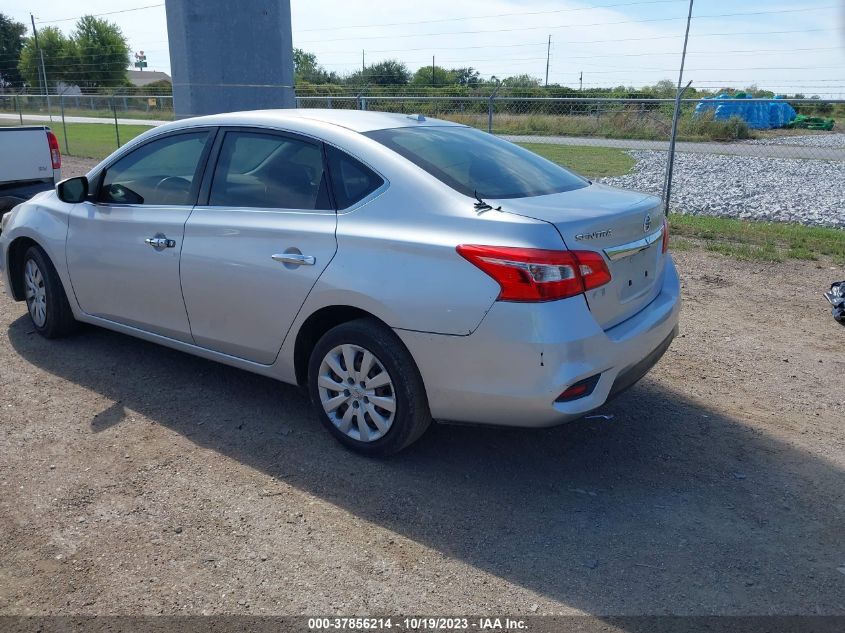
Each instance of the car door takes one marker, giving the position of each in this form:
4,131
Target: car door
255,246
123,245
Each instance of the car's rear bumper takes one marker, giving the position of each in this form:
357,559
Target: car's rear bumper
511,370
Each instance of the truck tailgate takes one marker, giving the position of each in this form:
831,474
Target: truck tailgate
24,154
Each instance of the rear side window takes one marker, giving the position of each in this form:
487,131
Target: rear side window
477,163
351,180
269,171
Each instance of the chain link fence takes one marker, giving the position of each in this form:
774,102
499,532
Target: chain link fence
722,166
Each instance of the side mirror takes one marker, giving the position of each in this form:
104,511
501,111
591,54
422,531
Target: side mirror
73,190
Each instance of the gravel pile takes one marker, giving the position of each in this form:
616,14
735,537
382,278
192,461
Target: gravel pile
827,141
810,192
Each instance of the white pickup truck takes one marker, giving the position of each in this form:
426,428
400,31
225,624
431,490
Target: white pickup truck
30,162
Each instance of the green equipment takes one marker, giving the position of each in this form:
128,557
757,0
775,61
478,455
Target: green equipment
811,123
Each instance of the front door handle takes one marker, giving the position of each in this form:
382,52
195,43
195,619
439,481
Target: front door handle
160,242
294,258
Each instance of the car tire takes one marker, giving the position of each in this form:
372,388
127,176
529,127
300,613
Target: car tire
46,301
356,406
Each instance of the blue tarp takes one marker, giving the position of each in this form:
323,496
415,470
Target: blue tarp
759,114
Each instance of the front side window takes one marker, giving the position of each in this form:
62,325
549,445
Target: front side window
160,172
269,171
476,163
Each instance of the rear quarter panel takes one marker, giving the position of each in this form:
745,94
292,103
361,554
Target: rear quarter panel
396,258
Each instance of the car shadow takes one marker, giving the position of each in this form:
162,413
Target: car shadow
667,507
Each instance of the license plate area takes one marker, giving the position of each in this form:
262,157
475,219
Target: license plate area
637,273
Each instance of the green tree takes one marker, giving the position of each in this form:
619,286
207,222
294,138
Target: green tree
303,61
11,43
101,53
58,58
663,89
441,77
521,81
466,76
390,72
306,69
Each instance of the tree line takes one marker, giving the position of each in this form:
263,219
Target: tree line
94,55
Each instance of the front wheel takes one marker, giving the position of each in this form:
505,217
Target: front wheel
46,301
367,389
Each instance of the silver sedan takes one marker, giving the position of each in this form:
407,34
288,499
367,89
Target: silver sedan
403,269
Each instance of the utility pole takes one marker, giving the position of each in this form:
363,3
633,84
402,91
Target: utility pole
432,71
363,67
667,185
548,54
581,81
43,69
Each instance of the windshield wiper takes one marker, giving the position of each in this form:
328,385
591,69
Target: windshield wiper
482,206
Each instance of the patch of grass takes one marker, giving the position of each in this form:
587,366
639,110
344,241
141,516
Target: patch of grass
91,140
765,241
677,244
622,124
95,140
706,127
765,253
99,112
592,162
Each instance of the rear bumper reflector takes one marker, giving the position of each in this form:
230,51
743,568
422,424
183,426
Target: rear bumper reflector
580,389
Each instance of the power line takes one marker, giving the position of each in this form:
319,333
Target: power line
614,56
730,33
494,15
98,15
573,26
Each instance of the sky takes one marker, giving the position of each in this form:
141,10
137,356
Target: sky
796,46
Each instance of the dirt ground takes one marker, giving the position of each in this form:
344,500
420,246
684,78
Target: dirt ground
140,480
73,166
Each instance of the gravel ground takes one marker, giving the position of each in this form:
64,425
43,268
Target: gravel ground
781,189
827,141
139,480
73,166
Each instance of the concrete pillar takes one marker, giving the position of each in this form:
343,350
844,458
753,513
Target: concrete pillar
227,56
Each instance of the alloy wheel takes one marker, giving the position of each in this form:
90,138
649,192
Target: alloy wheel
36,293
356,392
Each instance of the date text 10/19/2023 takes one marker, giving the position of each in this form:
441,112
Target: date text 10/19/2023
417,624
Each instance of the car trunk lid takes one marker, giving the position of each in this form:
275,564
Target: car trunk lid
624,226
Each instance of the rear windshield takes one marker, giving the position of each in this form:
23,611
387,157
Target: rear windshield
476,163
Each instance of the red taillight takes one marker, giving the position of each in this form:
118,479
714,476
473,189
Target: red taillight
55,154
665,234
533,274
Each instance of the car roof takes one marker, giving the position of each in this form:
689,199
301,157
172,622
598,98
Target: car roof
355,120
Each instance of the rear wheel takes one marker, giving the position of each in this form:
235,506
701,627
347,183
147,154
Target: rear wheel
367,389
46,301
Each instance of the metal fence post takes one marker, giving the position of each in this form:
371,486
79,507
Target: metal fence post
116,127
667,185
360,99
490,108
18,108
64,126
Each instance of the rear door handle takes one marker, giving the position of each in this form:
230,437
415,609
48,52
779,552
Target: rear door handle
294,258
160,242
